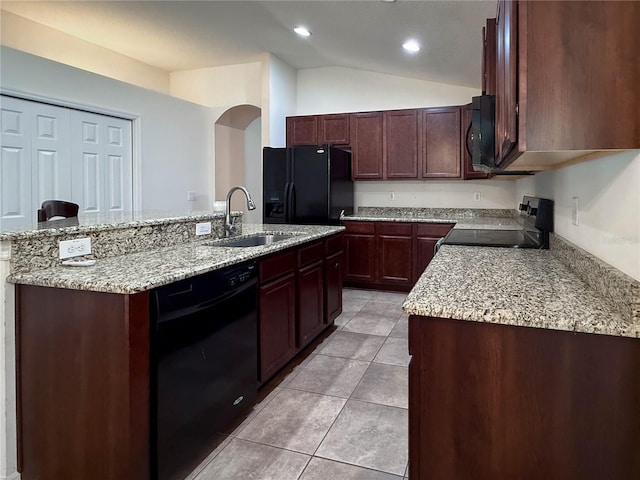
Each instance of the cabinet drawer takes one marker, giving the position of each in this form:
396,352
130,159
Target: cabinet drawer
310,253
360,227
395,228
433,229
277,265
333,244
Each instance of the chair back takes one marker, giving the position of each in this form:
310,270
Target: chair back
57,208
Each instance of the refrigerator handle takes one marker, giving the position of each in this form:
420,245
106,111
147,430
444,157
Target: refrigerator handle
291,203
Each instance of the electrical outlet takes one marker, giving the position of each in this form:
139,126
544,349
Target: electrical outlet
574,210
476,196
191,196
74,248
203,228
392,195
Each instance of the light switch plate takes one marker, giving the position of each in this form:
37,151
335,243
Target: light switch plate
74,248
574,210
203,228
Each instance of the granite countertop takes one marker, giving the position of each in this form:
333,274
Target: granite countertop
136,272
524,287
487,219
106,221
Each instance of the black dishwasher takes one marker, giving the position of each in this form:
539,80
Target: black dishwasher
204,364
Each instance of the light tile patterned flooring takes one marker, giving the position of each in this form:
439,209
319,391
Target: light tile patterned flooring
339,414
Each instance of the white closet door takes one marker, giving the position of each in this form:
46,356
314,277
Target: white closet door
102,163
16,207
51,154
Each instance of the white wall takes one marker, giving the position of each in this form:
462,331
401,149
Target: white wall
222,87
608,191
338,89
253,176
173,138
436,194
32,37
281,93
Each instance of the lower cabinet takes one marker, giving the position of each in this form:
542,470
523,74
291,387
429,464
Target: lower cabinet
389,255
426,237
394,250
277,315
489,401
300,296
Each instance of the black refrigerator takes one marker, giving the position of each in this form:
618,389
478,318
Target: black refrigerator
307,185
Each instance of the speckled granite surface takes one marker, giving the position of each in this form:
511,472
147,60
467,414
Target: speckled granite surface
145,270
494,219
524,287
609,282
108,221
34,250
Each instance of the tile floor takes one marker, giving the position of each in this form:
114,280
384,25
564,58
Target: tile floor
339,414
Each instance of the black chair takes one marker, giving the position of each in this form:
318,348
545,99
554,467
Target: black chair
57,208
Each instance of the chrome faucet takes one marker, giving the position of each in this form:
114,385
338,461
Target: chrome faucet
227,217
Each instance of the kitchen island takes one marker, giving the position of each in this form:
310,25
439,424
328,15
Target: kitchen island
525,365
83,340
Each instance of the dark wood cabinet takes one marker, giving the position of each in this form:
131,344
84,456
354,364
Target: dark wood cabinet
310,285
426,237
489,57
468,172
566,79
389,255
394,253
277,324
302,130
366,145
440,143
83,384
333,129
506,77
333,271
489,401
333,274
359,249
400,143
330,129
310,302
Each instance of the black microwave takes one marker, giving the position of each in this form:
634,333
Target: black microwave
481,134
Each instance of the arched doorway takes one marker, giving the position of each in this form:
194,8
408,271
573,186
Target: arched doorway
238,157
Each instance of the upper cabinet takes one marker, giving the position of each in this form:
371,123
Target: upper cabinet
400,143
489,57
333,129
302,130
366,145
330,129
440,143
567,80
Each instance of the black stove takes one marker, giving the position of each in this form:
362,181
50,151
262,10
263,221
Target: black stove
536,219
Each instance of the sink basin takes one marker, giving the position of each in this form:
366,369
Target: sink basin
256,240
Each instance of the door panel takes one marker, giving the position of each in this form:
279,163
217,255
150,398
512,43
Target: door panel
311,185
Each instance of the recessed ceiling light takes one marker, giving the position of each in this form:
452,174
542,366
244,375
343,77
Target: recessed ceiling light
411,46
302,31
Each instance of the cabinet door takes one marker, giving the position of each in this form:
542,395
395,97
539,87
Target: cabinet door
394,255
366,145
400,141
489,57
441,143
333,286
465,122
425,250
333,129
506,78
359,250
302,130
310,302
277,324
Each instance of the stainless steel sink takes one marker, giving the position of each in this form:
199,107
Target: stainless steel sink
256,240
